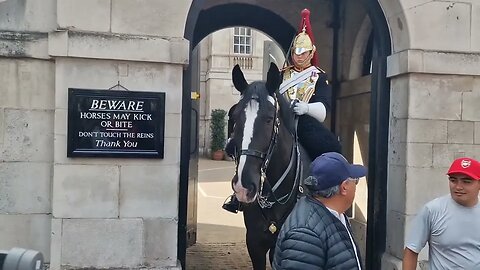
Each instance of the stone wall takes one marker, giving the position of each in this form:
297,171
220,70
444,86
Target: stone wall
88,212
72,208
435,92
27,98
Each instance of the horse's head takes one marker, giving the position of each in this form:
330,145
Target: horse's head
256,121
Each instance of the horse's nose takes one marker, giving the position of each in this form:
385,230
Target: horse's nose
245,191
245,194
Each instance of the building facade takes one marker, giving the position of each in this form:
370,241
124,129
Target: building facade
130,212
217,54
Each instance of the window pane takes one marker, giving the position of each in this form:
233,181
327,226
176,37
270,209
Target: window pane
242,40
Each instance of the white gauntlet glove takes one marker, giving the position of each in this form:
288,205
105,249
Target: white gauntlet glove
300,108
317,110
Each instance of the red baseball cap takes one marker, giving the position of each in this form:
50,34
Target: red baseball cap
467,166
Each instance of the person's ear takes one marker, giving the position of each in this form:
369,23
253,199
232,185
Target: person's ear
344,188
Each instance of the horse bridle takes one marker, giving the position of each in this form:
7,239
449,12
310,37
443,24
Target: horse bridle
265,157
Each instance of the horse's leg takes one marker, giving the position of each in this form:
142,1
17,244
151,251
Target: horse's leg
256,251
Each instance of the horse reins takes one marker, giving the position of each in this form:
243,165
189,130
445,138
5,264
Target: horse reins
263,199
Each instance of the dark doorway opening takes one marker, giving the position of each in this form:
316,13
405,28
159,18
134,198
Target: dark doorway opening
200,24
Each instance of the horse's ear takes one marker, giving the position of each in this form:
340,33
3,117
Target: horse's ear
238,79
273,79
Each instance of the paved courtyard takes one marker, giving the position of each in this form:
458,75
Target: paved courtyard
221,235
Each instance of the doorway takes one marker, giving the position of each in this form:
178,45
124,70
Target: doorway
220,235
279,21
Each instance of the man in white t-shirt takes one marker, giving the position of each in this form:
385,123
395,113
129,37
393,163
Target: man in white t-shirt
450,224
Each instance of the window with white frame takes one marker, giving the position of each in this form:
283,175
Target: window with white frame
242,40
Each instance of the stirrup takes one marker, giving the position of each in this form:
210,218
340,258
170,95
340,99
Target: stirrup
231,204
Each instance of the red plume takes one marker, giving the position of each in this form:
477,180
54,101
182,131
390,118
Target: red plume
308,29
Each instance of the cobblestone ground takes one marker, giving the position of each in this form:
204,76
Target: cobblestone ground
218,256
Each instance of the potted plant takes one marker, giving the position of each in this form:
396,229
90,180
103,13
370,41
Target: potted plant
217,133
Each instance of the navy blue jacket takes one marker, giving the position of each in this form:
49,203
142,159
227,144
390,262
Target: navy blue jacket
313,238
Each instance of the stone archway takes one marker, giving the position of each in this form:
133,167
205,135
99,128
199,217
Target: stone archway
229,15
379,117
395,17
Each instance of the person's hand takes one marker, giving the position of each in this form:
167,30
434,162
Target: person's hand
300,108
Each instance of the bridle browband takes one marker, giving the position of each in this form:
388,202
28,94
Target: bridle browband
262,199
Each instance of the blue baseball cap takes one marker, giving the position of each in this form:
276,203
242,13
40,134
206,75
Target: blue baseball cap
331,169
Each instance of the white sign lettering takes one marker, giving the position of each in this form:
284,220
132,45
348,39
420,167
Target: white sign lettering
116,105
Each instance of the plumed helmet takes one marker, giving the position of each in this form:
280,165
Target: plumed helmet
302,43
304,39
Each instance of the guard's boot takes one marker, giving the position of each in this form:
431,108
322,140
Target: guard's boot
232,204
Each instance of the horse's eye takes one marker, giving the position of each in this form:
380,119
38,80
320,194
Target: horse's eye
269,120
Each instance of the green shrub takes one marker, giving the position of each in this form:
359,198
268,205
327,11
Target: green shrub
217,130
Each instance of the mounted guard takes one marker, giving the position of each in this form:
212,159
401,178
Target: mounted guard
307,88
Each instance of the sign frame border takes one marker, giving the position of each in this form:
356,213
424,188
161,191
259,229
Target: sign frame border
159,140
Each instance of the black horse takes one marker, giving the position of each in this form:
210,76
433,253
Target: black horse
269,161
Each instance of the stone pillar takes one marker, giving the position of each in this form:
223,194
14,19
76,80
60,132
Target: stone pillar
116,213
26,149
435,92
26,124
87,212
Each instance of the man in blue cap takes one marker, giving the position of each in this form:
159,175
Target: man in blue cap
317,234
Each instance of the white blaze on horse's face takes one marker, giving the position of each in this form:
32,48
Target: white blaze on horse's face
251,113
